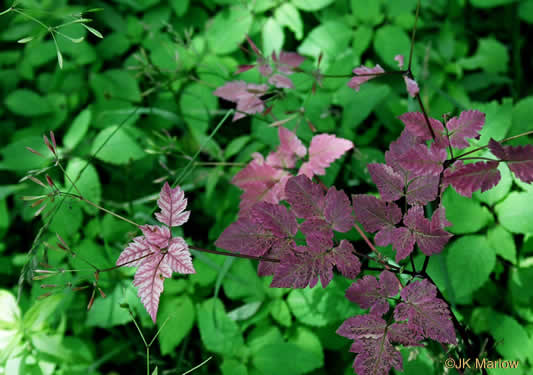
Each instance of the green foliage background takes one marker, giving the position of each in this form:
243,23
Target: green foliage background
136,106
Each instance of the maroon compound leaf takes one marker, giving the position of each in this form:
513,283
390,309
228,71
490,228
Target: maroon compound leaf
345,260
369,293
471,177
431,239
422,161
519,159
178,256
338,210
275,218
246,236
156,235
172,203
364,74
324,150
306,198
422,189
467,125
290,149
416,123
318,233
426,314
390,184
374,214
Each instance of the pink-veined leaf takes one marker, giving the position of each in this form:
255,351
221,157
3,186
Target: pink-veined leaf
376,355
519,159
244,68
345,260
411,86
275,218
246,236
280,81
178,256
149,280
426,313
324,150
255,172
374,214
421,160
280,249
364,74
389,183
172,203
338,210
287,61
402,241
416,123
467,178
135,252
303,268
399,148
369,293
467,125
290,149
156,235
431,239
305,197
318,233
422,189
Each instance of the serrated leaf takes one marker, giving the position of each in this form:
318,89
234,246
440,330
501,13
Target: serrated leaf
376,215
423,161
305,197
246,236
172,203
369,293
471,177
467,125
338,210
389,183
519,159
289,151
324,150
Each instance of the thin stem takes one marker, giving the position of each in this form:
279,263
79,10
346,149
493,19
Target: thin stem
265,259
478,158
412,262
31,18
197,366
363,75
413,37
68,178
79,197
425,266
125,263
6,11
426,118
220,163
370,245
502,141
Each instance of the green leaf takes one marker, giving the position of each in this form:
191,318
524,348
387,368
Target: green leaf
491,3
273,36
180,6
181,316
27,103
390,41
525,10
491,56
311,5
244,282
87,182
245,311
288,15
219,333
290,359
498,192
78,129
361,40
114,145
503,243
196,103
229,29
233,367
515,213
41,312
280,312
116,84
520,285
521,120
313,306
330,38
68,218
466,214
368,12
235,146
497,120
470,261
106,312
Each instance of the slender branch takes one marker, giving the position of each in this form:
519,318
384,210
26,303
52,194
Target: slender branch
68,178
425,266
125,263
412,262
426,118
479,158
370,244
265,259
502,141
413,37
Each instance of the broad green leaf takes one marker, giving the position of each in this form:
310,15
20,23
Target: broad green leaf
306,339
521,120
280,312
181,316
235,146
390,41
114,145
9,319
197,102
85,178
219,333
27,103
290,359
288,15
503,243
68,218
116,84
233,367
491,56
40,313
498,192
470,261
273,36
515,214
330,38
51,345
244,282
78,129
106,312
245,311
311,5
467,215
368,12
497,120
520,285
180,6
229,29
313,306
361,39
491,3
525,10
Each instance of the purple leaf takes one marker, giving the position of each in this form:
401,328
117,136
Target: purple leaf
421,160
249,105
518,158
375,214
368,293
425,313
290,149
467,125
280,81
338,210
430,239
471,177
137,249
232,91
280,249
422,189
403,334
287,61
345,260
246,95
275,218
178,256
362,326
246,236
438,220
318,233
400,60
403,242
417,125
149,282
305,197
156,235
364,74
172,203
411,86
324,150
389,183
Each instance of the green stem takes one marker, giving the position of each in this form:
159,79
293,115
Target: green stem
31,18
